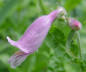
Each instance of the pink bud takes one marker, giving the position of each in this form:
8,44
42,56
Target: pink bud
74,24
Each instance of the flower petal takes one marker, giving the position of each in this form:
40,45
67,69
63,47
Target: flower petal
17,59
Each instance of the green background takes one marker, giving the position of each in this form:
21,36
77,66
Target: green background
17,15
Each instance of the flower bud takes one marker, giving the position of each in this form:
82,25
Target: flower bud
74,24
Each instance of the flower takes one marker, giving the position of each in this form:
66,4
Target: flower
33,37
74,24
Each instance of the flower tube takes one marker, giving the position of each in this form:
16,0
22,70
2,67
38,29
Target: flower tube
33,37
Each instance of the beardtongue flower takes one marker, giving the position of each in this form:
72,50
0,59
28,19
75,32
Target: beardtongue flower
33,37
74,24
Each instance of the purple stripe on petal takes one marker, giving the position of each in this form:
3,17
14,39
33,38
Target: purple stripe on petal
17,58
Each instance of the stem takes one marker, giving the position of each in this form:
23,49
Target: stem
68,44
42,7
78,41
69,40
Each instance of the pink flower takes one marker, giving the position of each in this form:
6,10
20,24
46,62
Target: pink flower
74,24
32,38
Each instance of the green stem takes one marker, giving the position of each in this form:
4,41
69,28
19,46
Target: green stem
68,45
69,40
78,41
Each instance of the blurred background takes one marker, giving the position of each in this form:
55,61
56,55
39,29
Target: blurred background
17,15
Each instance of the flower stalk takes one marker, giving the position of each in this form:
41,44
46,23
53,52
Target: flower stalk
75,26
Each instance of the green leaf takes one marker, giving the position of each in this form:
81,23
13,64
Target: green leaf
72,67
56,41
73,45
71,4
55,37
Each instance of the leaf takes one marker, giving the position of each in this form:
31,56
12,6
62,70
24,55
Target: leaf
71,4
73,45
72,67
55,37
56,41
